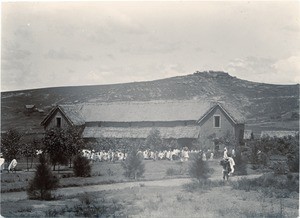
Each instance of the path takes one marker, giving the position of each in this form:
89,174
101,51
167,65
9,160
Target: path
69,191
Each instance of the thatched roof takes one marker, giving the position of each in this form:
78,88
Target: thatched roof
73,114
143,111
278,134
142,132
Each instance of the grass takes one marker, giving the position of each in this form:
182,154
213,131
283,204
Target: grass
207,198
270,184
200,185
102,173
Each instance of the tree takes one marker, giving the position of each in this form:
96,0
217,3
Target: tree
10,144
29,150
43,183
133,165
240,164
153,140
198,168
81,166
55,142
74,143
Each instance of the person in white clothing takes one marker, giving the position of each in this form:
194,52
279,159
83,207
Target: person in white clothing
233,152
225,153
232,164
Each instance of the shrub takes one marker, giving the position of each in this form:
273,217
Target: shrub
91,206
198,168
43,182
81,166
240,165
279,167
133,165
170,171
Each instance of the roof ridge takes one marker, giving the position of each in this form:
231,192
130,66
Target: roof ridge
140,102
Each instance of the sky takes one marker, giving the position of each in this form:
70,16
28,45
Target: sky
89,43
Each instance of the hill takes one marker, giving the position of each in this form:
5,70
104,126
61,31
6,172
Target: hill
265,106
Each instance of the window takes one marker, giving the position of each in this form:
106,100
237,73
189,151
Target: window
217,121
58,122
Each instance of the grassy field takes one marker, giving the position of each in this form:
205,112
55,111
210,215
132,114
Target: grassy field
164,199
102,173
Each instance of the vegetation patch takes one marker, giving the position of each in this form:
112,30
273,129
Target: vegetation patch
198,185
81,166
43,183
270,184
133,166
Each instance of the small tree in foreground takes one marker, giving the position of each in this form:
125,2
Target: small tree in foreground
43,182
81,166
198,168
133,165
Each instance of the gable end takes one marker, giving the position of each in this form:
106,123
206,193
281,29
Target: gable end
51,114
208,113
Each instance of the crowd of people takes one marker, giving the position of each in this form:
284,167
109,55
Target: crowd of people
147,154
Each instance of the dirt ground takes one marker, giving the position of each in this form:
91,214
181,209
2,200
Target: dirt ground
160,196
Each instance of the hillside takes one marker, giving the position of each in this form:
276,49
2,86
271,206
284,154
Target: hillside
263,105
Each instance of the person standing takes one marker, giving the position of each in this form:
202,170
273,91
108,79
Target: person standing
226,168
233,152
225,153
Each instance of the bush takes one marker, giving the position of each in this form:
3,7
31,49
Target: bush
43,182
81,166
240,165
279,167
133,165
171,172
198,168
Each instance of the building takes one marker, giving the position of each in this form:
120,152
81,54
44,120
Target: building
30,108
184,121
278,134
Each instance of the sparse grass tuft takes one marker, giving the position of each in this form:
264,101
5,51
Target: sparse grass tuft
153,205
170,171
56,212
179,198
27,209
110,172
160,197
203,185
